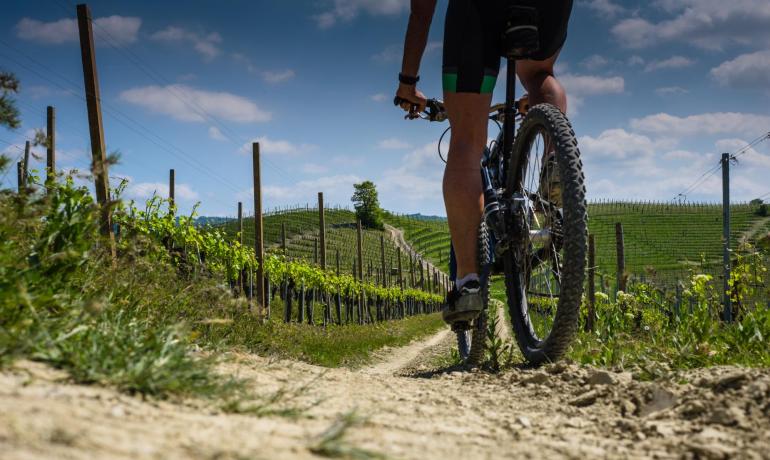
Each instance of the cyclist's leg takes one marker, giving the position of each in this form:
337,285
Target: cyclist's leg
536,75
462,180
470,65
541,84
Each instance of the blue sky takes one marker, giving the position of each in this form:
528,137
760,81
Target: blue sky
657,90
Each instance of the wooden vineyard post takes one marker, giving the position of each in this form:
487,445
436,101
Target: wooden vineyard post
621,271
359,251
727,313
19,177
241,275
382,259
411,270
589,326
259,249
283,238
95,126
25,172
171,191
360,260
50,157
322,229
338,296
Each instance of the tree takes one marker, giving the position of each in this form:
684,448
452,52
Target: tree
9,114
367,205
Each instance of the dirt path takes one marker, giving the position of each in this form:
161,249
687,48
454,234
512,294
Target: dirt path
754,229
560,411
397,236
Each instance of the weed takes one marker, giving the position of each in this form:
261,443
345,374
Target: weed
331,443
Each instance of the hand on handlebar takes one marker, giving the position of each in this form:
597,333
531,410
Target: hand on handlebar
411,100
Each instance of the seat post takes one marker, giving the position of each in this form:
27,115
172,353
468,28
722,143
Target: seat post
509,114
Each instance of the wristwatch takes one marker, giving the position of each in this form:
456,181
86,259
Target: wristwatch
408,80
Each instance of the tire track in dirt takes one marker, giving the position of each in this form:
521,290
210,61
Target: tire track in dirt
395,360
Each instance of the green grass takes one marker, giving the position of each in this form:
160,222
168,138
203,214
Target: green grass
136,323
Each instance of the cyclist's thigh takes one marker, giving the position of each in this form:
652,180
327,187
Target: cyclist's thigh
529,69
471,59
468,117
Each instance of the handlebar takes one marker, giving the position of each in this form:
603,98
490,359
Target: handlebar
435,110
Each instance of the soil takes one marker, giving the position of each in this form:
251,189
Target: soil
408,408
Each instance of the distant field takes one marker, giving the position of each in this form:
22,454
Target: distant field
663,242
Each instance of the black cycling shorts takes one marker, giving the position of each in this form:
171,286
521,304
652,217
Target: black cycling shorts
472,39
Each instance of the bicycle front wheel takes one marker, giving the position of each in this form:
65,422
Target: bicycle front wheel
544,265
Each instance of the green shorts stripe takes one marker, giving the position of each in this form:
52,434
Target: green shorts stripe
449,83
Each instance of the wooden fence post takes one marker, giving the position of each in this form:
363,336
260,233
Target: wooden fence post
359,251
322,229
589,326
400,272
411,269
382,259
96,128
171,190
50,171
240,223
621,271
259,248
25,175
19,177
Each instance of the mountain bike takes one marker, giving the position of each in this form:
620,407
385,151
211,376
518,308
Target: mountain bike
534,220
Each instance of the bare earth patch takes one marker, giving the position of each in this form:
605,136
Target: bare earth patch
560,411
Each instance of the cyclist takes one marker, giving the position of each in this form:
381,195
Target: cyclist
471,62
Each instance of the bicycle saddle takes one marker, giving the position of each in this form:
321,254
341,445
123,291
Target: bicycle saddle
520,37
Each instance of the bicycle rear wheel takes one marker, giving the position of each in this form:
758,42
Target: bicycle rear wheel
544,266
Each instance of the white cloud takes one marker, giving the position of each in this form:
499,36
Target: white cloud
746,71
674,62
578,87
750,155
312,168
706,24
670,90
120,30
277,147
278,76
207,45
379,97
185,103
145,190
216,134
705,123
393,144
391,53
590,85
337,189
594,62
416,182
605,8
619,143
347,10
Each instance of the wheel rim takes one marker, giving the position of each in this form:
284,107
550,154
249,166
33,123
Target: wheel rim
538,257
